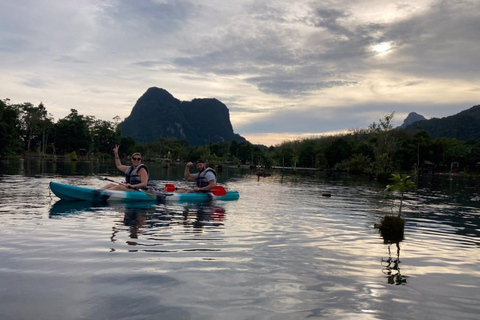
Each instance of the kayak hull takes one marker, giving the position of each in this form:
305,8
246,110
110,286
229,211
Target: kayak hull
77,193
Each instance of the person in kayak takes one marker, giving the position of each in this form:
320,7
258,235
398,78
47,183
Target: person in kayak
206,178
136,175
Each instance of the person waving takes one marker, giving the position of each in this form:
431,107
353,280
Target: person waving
136,175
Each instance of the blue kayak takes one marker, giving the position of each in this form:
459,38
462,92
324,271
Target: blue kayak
75,193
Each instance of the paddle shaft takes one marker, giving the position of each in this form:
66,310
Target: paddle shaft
130,187
121,183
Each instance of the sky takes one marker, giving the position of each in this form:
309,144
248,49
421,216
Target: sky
286,70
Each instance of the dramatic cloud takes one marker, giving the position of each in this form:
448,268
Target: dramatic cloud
284,69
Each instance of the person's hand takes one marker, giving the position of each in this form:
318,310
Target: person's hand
115,150
196,189
189,164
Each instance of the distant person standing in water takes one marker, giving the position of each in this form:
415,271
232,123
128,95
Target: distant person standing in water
206,177
136,175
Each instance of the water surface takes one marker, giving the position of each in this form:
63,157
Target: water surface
283,251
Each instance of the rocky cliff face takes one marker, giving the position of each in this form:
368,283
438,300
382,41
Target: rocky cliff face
411,118
157,114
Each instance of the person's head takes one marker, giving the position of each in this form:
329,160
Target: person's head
136,158
200,164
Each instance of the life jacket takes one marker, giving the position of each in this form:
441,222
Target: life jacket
201,180
132,176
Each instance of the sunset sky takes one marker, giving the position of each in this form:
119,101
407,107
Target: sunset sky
285,69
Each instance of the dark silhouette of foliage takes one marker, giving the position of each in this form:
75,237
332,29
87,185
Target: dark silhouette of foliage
10,129
37,126
377,151
461,126
72,133
392,229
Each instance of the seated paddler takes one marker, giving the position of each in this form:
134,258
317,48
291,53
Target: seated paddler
205,178
136,175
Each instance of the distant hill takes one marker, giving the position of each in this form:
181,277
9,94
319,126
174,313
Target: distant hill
462,126
412,118
157,114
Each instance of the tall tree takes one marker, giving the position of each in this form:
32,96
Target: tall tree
103,136
36,123
10,142
72,133
385,146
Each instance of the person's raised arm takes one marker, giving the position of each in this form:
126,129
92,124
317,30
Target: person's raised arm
186,174
118,163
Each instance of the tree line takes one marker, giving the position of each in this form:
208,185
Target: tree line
378,150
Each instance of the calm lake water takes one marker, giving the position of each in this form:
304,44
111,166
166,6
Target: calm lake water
282,251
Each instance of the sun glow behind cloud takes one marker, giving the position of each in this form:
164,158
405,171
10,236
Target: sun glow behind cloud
382,48
272,139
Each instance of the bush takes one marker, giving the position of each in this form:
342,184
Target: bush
72,156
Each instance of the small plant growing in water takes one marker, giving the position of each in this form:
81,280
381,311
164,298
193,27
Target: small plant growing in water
401,183
392,227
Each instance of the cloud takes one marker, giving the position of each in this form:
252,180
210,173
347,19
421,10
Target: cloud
34,82
440,42
317,49
328,119
280,66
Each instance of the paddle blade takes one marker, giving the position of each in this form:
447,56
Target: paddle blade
218,191
170,187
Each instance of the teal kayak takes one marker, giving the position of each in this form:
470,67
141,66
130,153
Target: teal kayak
75,193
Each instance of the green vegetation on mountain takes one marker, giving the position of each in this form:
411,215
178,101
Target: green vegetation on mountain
462,126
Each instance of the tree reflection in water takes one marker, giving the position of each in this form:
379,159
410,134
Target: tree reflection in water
391,267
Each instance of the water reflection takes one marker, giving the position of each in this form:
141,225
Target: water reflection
147,224
199,216
391,267
135,219
392,229
294,258
64,208
153,227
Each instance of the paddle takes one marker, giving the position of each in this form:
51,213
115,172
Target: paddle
217,190
170,187
150,194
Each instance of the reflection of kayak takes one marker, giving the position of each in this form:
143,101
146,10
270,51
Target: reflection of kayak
66,207
63,207
69,192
